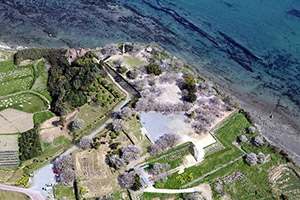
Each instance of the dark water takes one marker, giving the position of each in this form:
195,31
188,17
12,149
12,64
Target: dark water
253,47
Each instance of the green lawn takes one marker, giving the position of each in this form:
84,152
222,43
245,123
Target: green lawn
64,192
26,102
41,117
7,65
134,61
233,126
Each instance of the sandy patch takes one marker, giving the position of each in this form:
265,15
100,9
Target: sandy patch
171,94
13,121
51,129
205,190
9,143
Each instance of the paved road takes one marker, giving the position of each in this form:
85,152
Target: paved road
34,195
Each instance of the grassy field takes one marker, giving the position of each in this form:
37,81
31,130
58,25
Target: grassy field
234,126
9,195
16,79
133,130
26,102
64,192
41,117
134,61
7,65
150,196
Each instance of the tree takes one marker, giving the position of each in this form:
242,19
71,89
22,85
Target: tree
258,141
251,129
64,165
68,176
77,124
243,138
116,162
191,97
261,158
192,196
159,171
132,74
154,68
125,113
190,83
130,153
127,180
164,143
251,159
118,125
85,142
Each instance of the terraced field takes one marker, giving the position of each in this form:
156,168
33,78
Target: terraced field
9,159
9,155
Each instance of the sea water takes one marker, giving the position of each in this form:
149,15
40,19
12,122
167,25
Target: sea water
252,47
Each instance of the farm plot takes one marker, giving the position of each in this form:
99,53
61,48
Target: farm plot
286,181
26,102
15,80
95,175
13,121
9,156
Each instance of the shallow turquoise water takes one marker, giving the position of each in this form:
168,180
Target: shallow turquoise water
252,46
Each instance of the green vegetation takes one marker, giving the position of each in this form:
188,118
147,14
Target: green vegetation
64,192
30,144
150,196
7,65
190,86
16,79
154,68
134,61
41,117
235,125
41,77
27,102
9,195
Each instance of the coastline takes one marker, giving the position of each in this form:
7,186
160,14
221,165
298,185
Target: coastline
280,129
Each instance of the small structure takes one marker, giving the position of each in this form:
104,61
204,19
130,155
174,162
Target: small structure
144,182
149,49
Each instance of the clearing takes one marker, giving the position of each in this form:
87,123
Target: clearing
14,121
9,151
9,195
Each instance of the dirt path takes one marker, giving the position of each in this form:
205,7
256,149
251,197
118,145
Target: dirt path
34,195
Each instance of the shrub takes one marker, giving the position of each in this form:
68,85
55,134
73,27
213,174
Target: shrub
132,74
154,68
122,69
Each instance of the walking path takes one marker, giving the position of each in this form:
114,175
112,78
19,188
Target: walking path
34,195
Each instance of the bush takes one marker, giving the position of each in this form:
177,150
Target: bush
154,68
122,69
191,97
132,74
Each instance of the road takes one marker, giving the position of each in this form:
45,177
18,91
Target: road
34,195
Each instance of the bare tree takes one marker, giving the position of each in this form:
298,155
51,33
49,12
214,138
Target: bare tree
125,112
165,142
243,138
251,129
159,171
118,125
192,196
77,124
63,162
85,142
127,180
251,159
130,153
64,165
261,158
68,176
258,141
110,49
116,162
